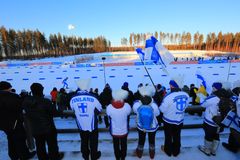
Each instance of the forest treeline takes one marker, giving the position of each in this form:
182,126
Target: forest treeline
228,42
29,44
33,43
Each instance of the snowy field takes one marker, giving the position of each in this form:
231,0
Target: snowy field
51,71
21,77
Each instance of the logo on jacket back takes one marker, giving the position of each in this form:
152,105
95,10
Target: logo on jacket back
146,116
181,102
82,107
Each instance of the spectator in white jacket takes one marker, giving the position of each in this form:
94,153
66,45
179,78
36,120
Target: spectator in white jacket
86,108
147,112
211,129
118,112
173,107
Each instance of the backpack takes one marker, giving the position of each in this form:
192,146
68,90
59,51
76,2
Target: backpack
145,116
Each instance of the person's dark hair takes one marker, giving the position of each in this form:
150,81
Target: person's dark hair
37,89
5,85
146,100
222,93
159,86
62,90
236,90
107,86
140,85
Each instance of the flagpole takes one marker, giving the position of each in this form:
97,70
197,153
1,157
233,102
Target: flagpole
103,59
147,72
229,68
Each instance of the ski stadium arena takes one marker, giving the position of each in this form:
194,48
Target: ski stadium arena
115,69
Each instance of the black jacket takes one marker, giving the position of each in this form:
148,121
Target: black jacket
158,97
10,110
105,98
40,112
130,98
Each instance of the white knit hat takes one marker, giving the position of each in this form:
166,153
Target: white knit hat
83,84
147,90
120,95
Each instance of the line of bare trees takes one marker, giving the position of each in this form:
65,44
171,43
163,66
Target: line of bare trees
32,44
229,42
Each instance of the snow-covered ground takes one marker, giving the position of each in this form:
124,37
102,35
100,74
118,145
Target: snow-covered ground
21,77
191,138
51,71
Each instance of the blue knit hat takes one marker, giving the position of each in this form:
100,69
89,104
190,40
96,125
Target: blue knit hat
173,83
217,85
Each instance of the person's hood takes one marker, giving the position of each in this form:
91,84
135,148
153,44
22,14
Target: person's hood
117,104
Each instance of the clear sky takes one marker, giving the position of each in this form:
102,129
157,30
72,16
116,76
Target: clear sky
116,19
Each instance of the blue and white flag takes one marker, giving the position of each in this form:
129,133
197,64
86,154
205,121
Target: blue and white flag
155,56
202,81
156,52
165,56
140,53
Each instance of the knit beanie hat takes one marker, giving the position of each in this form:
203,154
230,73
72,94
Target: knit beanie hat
120,95
217,85
173,83
125,84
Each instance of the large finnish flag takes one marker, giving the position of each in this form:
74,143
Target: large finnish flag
156,52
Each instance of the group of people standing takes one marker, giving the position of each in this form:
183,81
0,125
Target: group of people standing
170,111
151,105
86,106
22,118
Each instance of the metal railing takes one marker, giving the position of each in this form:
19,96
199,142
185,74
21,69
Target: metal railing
190,109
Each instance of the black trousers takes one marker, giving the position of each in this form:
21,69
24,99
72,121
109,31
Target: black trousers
172,142
89,144
17,148
120,147
211,133
51,140
142,138
234,139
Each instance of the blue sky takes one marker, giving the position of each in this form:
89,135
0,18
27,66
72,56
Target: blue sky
115,19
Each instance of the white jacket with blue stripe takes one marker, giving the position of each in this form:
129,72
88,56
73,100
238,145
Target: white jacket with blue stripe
85,106
173,107
212,109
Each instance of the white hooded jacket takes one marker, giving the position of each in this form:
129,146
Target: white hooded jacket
173,107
